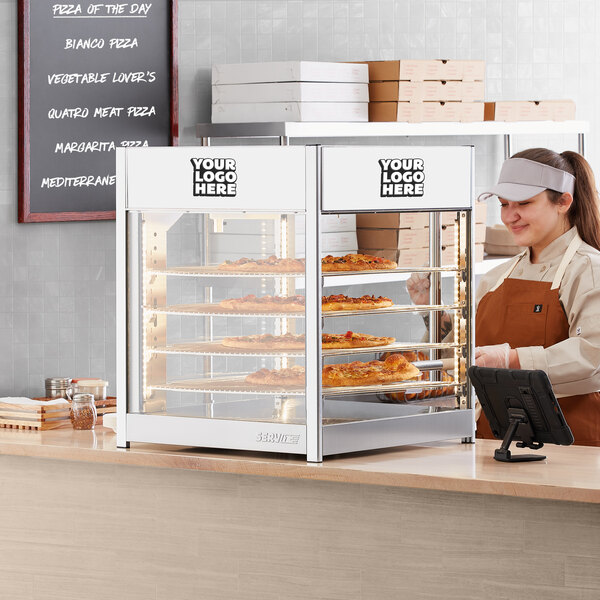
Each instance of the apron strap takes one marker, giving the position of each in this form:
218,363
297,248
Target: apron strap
509,270
564,263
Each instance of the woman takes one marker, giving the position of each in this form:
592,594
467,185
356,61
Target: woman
542,311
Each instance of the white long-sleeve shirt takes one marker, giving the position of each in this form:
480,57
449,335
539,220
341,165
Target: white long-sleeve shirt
572,365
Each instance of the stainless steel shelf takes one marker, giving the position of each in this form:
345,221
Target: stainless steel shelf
214,310
387,387
238,385
371,275
386,129
389,348
395,272
217,349
211,271
397,308
231,385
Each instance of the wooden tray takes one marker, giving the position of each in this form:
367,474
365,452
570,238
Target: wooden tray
39,417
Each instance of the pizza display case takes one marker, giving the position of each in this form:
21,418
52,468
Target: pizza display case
220,282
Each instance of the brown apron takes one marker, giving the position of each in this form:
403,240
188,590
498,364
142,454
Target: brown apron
529,313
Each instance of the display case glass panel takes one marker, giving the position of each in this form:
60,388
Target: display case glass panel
212,323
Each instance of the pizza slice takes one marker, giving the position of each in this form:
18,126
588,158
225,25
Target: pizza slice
351,339
342,302
266,341
252,303
356,262
272,264
289,377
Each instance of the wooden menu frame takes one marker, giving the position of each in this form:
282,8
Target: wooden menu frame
25,213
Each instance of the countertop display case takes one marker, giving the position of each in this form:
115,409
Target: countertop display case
228,327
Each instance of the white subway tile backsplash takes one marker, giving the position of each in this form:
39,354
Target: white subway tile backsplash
57,281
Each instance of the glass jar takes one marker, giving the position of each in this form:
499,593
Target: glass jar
83,411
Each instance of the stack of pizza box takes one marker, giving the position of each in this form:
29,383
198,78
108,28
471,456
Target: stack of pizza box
289,91
404,237
426,90
338,235
256,238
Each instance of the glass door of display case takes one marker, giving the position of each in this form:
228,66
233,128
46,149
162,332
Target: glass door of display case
412,208
215,326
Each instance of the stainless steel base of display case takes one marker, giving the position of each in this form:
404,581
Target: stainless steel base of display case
386,432
348,426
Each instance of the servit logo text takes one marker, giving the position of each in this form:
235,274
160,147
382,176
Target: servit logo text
214,176
277,438
402,177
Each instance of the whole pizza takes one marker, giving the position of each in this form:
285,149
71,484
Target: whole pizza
356,262
348,262
351,339
393,369
341,302
252,303
266,341
292,376
264,265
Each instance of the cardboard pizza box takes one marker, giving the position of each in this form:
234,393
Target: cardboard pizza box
530,110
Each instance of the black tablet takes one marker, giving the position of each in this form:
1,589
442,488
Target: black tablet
521,405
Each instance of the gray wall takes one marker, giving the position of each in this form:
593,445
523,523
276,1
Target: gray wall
57,286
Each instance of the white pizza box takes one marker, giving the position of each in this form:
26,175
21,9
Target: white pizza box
228,224
290,92
244,245
324,253
266,112
335,241
329,223
270,72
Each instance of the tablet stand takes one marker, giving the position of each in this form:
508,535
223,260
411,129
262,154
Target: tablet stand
518,423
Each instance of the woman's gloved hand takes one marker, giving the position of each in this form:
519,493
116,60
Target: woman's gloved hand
496,356
417,286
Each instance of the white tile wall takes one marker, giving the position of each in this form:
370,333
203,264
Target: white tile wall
57,280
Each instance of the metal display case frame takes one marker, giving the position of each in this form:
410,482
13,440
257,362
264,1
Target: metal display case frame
337,421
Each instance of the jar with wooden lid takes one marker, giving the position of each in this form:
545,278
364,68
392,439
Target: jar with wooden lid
83,411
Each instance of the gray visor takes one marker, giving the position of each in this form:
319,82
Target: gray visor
521,179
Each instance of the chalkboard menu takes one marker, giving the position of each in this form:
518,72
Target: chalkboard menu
93,77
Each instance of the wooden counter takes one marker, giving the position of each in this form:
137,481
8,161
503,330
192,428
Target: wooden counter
85,520
569,473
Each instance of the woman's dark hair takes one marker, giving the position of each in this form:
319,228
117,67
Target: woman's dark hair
584,212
